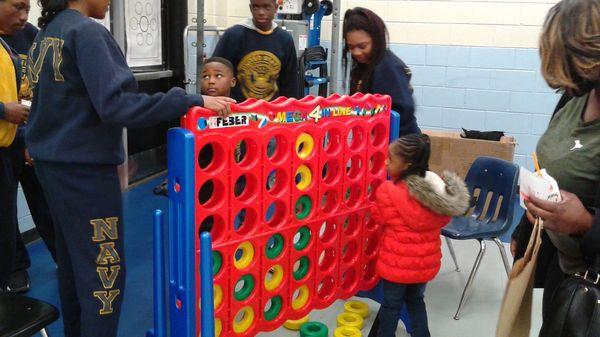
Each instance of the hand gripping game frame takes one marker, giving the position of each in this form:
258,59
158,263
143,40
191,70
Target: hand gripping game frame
269,213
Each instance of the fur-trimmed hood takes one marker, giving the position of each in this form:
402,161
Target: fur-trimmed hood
447,196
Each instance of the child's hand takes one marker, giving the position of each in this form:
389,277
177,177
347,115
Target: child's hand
220,105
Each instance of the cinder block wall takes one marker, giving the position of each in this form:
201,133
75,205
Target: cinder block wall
475,63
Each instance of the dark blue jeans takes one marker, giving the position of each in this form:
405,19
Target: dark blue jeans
395,295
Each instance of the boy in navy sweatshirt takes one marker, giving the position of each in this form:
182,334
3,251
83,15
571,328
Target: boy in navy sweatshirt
263,55
83,95
24,173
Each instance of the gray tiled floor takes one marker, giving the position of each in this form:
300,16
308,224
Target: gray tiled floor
478,317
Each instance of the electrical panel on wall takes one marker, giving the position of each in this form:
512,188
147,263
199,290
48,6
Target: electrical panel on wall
290,6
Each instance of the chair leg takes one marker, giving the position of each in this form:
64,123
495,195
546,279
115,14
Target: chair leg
465,293
452,253
43,333
503,254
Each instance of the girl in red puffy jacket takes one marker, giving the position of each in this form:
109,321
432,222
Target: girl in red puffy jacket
413,207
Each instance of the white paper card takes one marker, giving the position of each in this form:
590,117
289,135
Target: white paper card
542,187
143,31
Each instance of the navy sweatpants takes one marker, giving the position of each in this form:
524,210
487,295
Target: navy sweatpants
8,215
86,206
38,207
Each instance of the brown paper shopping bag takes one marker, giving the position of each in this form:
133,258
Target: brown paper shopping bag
515,312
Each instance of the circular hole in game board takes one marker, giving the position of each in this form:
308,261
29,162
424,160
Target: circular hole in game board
354,167
245,221
327,232
276,149
245,152
210,157
275,183
329,201
275,213
372,188
350,252
378,134
370,246
326,259
245,187
356,138
325,288
330,172
353,195
215,225
349,279
351,224
377,163
332,141
369,271
370,222
211,193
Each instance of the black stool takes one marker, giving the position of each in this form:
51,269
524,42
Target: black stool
22,316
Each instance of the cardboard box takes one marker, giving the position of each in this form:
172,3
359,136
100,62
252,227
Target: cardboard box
452,153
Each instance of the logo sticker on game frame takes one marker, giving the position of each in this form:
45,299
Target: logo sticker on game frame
228,122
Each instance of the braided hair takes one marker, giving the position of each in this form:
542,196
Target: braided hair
50,9
415,149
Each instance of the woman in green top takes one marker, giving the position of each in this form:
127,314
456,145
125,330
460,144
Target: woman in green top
570,149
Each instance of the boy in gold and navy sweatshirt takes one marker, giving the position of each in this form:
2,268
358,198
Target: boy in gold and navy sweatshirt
13,16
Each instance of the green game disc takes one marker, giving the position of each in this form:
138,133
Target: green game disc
314,329
247,289
304,238
274,250
217,262
302,269
306,205
273,312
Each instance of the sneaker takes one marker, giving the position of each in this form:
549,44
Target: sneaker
161,189
18,282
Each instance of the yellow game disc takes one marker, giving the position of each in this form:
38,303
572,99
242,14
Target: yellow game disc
302,298
247,256
218,296
295,324
305,177
275,281
347,331
357,307
308,145
245,322
350,319
218,327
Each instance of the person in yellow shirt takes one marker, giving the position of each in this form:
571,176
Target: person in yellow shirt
13,16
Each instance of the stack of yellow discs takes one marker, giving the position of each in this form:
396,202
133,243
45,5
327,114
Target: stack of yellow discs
347,331
295,324
350,319
357,307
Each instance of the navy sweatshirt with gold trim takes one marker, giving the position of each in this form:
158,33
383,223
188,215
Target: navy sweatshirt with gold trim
84,94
